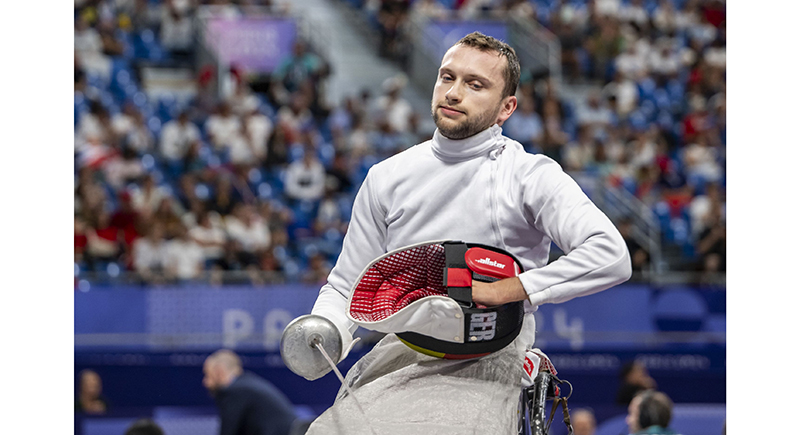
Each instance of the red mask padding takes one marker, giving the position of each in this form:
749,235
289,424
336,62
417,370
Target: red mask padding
398,280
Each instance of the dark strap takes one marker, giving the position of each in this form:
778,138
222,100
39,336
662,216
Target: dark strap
457,276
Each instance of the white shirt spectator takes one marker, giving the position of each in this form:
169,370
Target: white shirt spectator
211,239
176,137
633,13
396,112
664,62
626,93
183,258
222,128
250,231
176,30
305,179
148,255
631,64
259,128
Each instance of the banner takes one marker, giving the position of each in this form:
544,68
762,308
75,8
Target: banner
254,44
253,318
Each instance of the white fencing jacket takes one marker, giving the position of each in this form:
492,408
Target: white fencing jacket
483,189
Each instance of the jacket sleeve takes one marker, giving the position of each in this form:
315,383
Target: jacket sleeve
365,241
596,255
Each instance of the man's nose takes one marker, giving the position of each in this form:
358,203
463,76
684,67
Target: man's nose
453,95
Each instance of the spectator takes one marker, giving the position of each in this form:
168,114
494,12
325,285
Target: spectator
149,253
89,48
245,227
583,422
177,136
318,270
297,68
393,108
640,258
209,233
634,378
650,412
147,198
123,168
247,403
259,129
222,126
177,30
102,241
594,114
305,178
526,126
90,398
144,426
183,258
711,241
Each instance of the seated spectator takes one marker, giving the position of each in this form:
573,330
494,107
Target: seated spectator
258,128
392,107
184,258
123,168
594,114
149,253
579,154
103,245
169,216
144,426
318,270
81,240
89,48
650,412
147,198
210,235
222,126
177,29
583,422
526,125
305,178
90,398
296,68
634,378
294,117
177,136
625,93
245,227
640,258
712,240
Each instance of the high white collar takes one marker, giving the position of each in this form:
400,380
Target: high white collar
452,151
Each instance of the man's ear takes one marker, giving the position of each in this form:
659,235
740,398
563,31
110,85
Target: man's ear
507,106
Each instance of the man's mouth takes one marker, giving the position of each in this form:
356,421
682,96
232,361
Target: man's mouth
450,111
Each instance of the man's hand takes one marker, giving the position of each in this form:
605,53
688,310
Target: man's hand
498,292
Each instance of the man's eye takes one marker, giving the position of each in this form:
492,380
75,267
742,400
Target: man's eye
476,86
446,78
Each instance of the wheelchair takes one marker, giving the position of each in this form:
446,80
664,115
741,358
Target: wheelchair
532,410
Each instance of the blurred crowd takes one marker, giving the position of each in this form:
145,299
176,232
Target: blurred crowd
652,122
257,185
248,186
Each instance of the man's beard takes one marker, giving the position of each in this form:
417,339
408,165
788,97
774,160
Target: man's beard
467,127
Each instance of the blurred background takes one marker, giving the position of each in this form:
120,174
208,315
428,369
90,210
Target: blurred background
219,145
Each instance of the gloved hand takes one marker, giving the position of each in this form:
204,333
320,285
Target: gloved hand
298,345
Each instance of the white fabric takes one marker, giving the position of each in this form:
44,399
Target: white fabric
176,138
403,391
519,202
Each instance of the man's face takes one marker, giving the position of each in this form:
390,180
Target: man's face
468,96
210,377
633,415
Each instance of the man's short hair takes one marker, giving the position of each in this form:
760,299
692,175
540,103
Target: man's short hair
487,43
144,426
655,409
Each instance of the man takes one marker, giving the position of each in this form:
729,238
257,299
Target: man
468,183
583,422
650,413
248,404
